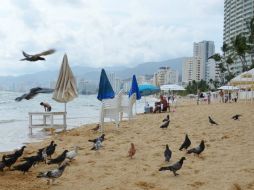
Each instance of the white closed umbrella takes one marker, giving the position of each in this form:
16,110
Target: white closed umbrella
66,87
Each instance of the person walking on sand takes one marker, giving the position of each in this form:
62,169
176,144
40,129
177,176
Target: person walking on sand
46,105
221,93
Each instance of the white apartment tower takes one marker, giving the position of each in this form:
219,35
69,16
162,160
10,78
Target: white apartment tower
237,15
165,75
192,69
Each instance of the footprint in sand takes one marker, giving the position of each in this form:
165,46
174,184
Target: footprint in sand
145,185
197,184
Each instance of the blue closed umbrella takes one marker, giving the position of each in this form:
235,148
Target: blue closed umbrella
105,89
134,88
148,89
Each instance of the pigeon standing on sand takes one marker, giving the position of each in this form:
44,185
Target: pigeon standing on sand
167,153
2,166
101,138
131,151
197,150
211,121
24,167
53,174
166,119
51,149
186,143
33,92
96,128
165,124
174,167
72,154
37,57
97,145
9,162
236,117
17,153
58,160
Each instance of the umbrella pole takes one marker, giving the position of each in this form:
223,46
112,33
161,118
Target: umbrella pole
65,124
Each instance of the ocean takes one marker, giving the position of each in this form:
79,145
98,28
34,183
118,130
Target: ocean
14,116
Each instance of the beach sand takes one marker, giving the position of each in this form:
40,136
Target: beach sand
226,164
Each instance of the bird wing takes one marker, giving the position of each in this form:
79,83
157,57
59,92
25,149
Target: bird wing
50,51
26,55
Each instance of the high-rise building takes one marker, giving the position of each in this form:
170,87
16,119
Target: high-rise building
192,69
237,15
213,70
165,75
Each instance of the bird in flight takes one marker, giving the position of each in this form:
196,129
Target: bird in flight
37,57
33,92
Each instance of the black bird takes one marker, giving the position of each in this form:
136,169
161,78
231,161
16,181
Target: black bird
174,167
212,121
9,162
165,124
24,167
53,174
33,92
186,143
17,153
37,57
236,117
51,149
166,119
167,153
35,159
59,159
197,150
2,166
101,138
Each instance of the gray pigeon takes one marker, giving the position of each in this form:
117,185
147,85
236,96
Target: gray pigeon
197,150
174,167
53,174
167,154
186,143
211,121
165,124
97,145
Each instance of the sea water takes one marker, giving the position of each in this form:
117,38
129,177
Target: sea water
14,118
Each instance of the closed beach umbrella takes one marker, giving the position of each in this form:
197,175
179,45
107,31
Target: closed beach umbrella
148,89
134,88
105,89
66,87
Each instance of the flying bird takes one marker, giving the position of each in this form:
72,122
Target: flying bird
72,154
101,138
166,119
197,150
33,92
17,153
167,153
186,143
165,124
37,57
211,121
53,174
131,151
24,167
58,160
174,167
236,117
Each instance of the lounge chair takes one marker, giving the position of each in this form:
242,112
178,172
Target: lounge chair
127,106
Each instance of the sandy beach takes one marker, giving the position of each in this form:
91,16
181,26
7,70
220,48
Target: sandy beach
226,164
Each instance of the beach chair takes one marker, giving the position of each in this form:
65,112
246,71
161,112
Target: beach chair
110,109
127,106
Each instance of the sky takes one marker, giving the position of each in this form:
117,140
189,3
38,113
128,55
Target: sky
104,33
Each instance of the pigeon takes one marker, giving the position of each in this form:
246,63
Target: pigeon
17,153
212,121
51,149
33,92
166,119
197,150
236,117
53,174
37,57
167,153
58,160
165,124
101,138
97,145
96,128
186,143
35,159
174,167
131,151
9,162
44,155
24,167
2,166
72,154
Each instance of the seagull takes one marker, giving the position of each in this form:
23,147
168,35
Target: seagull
24,167
166,119
58,160
33,92
174,167
72,154
8,163
101,138
53,174
212,121
197,150
132,151
37,57
186,143
17,153
97,145
167,153
236,117
165,124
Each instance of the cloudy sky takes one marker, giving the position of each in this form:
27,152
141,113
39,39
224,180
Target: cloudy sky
100,33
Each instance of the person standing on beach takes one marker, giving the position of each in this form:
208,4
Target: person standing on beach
209,97
221,93
46,105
